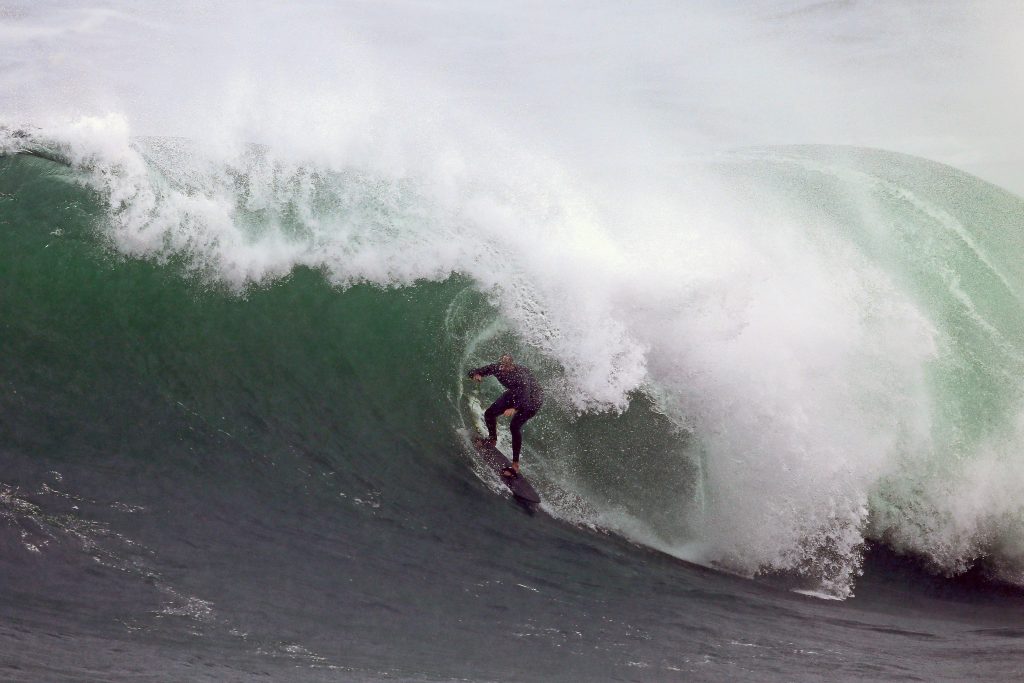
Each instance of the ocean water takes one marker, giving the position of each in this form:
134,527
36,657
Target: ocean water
762,256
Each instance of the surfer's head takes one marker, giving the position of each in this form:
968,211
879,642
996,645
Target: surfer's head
506,361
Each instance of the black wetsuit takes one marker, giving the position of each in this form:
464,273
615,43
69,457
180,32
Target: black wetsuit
523,393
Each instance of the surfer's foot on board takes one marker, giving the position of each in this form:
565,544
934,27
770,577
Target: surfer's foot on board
487,441
509,472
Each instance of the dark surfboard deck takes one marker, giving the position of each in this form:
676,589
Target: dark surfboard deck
520,488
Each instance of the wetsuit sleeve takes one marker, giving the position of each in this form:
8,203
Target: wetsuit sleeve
485,370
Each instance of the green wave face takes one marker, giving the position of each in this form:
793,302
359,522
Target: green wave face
120,357
820,345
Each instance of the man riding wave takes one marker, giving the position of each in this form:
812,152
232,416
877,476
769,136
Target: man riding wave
522,400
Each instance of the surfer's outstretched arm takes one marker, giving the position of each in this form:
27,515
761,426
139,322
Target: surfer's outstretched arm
486,370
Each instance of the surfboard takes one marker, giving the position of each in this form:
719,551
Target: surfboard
519,486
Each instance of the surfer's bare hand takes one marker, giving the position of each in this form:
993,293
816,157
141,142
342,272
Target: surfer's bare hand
510,412
478,378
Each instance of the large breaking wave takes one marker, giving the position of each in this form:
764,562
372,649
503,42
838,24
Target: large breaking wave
758,363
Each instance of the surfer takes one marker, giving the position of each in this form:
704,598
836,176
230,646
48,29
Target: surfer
521,401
